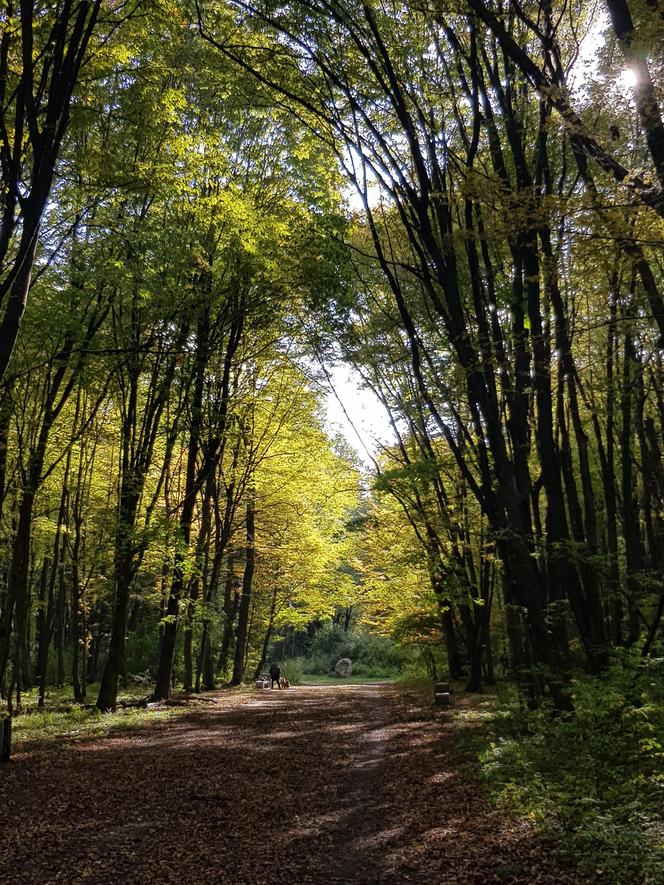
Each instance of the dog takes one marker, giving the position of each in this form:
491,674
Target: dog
283,682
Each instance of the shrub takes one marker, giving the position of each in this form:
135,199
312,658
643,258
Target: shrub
371,655
141,651
593,776
293,669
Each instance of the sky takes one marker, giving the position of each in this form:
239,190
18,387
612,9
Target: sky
357,413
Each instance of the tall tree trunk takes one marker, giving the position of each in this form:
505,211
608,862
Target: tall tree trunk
17,587
197,586
58,391
46,613
656,475
6,412
138,441
608,468
76,633
188,636
630,519
454,659
268,634
192,486
222,536
124,573
231,604
196,479
241,633
42,625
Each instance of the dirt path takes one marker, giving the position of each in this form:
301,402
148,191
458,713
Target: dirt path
352,784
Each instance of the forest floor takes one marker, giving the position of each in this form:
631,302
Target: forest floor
315,784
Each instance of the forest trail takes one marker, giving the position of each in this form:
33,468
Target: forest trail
330,784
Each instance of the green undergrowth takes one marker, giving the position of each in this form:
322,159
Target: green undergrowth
318,679
80,723
63,720
373,657
593,779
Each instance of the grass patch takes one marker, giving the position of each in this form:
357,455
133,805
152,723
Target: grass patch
62,719
80,723
318,679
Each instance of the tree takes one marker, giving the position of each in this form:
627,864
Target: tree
42,51
436,124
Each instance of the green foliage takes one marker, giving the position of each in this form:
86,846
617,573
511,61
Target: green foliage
372,655
293,669
140,650
71,722
594,777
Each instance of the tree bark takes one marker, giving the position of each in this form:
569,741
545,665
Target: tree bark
241,633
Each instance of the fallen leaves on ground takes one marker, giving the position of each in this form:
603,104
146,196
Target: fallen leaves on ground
329,784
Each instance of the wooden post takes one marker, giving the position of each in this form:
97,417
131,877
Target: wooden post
441,693
5,738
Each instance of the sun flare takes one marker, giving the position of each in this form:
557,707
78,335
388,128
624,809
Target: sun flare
627,80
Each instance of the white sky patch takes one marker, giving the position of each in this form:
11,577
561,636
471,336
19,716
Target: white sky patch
353,163
364,423
586,66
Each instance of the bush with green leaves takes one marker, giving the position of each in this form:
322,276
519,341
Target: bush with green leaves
293,669
593,776
372,655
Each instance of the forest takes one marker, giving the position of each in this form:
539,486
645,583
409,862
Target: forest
210,209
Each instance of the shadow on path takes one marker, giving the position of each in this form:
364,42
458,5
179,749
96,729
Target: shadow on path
330,784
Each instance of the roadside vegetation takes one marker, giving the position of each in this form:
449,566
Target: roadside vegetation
592,779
